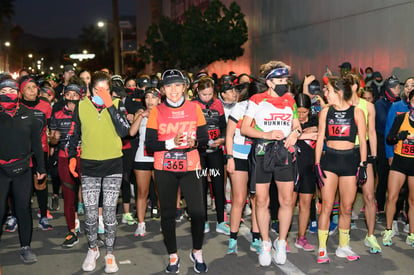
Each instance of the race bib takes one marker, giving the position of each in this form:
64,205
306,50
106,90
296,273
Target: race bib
175,161
213,132
407,148
336,130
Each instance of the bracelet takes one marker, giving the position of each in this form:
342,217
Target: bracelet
229,156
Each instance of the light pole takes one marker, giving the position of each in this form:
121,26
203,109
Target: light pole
6,59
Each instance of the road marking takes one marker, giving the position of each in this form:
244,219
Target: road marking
287,268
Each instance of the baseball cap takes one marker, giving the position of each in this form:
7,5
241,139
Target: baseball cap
173,76
345,65
314,87
9,83
392,81
153,91
73,87
68,68
120,91
143,82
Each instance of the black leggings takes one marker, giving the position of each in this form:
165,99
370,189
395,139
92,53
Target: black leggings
127,160
213,164
191,189
21,190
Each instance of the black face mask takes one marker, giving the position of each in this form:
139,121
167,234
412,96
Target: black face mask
76,102
281,89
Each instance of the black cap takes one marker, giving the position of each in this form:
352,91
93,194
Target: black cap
119,91
143,82
314,87
73,87
11,83
345,65
173,76
392,81
68,68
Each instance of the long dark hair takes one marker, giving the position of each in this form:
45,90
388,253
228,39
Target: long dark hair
255,87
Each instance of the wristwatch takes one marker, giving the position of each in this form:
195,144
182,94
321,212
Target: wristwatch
229,156
297,132
363,163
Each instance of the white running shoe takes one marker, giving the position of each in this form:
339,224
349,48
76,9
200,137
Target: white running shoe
110,264
347,252
89,263
140,231
407,228
280,247
265,257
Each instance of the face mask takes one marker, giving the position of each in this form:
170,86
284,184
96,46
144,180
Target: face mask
97,100
76,102
8,101
369,75
281,89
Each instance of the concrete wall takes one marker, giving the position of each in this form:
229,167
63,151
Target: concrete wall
312,34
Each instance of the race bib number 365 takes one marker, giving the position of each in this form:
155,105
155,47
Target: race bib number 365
175,161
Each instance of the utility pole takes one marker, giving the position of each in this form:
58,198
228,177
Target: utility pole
115,12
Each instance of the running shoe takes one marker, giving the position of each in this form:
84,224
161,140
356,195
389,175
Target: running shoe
232,249
346,252
55,203
223,228
44,224
81,208
280,247
155,214
303,243
110,264
410,239
127,218
140,231
353,225
77,226
395,230
265,257
11,224
333,228
178,215
323,256
406,228
70,240
27,255
197,259
89,263
173,265
101,226
256,245
206,227
387,237
313,227
48,215
372,243
275,226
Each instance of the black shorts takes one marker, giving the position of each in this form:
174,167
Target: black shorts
241,164
403,165
340,162
143,166
281,173
307,178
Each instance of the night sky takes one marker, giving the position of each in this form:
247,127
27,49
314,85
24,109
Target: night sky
65,18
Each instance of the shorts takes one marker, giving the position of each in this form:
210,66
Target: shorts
403,165
241,164
340,162
307,179
281,173
148,166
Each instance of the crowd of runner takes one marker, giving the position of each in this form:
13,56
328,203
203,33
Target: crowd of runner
180,143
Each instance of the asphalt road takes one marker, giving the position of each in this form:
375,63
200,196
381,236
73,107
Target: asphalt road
147,255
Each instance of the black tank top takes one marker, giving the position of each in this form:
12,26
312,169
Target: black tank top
340,125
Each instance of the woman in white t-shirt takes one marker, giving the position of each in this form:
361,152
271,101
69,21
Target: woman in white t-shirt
144,161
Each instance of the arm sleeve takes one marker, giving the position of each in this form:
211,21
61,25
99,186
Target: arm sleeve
74,135
151,134
119,119
393,132
389,149
37,146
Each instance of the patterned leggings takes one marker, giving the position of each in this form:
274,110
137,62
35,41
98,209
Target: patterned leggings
91,188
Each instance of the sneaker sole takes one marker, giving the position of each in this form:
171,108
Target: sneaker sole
178,271
304,249
371,249
223,232
11,231
70,245
324,261
195,269
349,258
45,229
28,261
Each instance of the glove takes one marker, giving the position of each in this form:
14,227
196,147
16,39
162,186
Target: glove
361,175
106,97
320,175
402,135
72,167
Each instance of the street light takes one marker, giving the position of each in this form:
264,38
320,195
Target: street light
101,24
30,55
